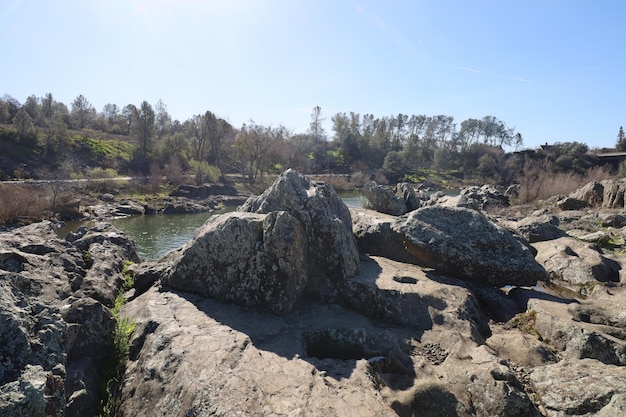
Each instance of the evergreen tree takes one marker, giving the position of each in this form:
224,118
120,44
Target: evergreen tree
621,140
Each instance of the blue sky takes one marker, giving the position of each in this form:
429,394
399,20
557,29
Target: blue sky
553,69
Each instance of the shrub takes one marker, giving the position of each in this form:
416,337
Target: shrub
205,172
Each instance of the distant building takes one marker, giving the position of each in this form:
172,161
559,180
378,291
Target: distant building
611,158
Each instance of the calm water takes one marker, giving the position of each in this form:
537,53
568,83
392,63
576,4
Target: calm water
155,235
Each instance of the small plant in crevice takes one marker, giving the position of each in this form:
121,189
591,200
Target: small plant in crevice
120,347
525,322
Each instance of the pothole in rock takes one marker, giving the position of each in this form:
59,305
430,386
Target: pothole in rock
342,344
405,279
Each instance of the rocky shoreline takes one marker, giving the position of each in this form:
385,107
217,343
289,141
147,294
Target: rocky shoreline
296,305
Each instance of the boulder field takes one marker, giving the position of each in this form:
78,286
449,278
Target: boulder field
296,305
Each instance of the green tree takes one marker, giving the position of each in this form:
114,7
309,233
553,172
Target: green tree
82,112
143,127
316,128
23,123
5,117
621,140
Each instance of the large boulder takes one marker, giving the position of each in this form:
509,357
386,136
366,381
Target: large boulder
591,193
539,228
383,199
293,240
201,192
330,248
464,243
245,258
375,235
482,198
613,196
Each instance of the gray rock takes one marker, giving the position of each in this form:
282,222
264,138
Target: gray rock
614,220
463,243
228,360
375,235
245,258
330,251
613,196
570,203
482,198
55,324
383,199
183,207
130,208
203,191
412,198
575,263
591,193
574,388
539,228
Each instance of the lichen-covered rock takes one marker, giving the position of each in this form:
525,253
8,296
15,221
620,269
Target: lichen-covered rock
576,388
575,263
481,198
375,235
198,357
383,199
245,258
55,324
539,228
613,196
463,243
330,250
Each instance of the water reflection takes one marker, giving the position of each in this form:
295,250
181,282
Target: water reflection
156,235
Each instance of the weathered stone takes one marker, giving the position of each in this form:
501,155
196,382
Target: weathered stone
227,360
613,196
375,235
481,198
183,207
131,208
54,332
200,192
575,388
245,258
463,243
330,251
591,193
614,220
410,195
572,262
540,228
383,199
570,203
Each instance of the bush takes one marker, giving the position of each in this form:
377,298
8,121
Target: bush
205,172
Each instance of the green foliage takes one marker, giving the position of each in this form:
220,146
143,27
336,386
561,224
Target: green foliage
526,322
621,140
204,172
120,348
100,148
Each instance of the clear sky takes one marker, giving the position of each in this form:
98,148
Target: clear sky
553,69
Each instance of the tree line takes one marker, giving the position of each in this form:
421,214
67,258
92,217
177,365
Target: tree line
205,144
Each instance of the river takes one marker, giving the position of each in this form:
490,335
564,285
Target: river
155,235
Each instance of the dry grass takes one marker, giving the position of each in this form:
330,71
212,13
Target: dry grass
539,183
24,201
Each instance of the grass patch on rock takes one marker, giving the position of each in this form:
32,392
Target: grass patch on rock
120,347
